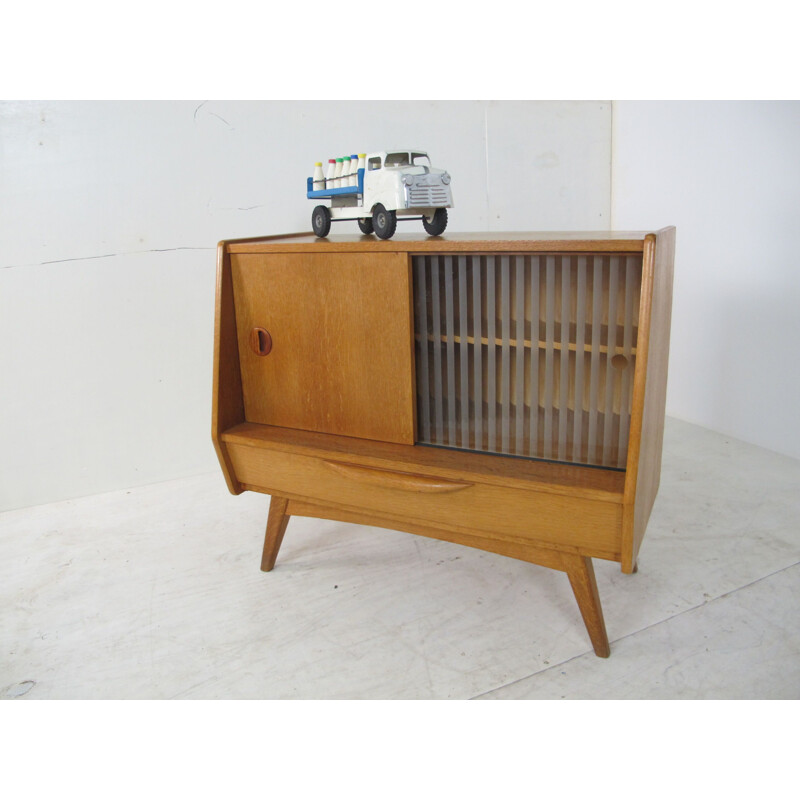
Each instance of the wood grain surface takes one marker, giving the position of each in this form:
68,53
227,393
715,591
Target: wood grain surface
649,392
540,241
341,333
492,509
227,404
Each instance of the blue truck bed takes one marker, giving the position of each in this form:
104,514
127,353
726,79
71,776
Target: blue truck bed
329,193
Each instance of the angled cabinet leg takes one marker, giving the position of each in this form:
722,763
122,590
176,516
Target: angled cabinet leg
276,526
581,576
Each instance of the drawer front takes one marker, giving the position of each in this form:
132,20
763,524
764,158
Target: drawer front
536,515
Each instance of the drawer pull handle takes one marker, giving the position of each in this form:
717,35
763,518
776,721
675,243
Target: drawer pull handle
260,341
396,480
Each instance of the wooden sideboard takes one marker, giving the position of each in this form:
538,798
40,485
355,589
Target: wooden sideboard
501,391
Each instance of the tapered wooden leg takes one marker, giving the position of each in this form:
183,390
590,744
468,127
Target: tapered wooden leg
581,576
277,521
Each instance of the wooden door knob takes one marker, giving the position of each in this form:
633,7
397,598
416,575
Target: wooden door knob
260,341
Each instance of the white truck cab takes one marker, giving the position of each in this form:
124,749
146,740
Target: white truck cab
395,184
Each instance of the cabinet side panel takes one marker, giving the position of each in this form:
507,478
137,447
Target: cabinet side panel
227,408
650,391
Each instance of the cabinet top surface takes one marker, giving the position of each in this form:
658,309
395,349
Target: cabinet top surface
616,241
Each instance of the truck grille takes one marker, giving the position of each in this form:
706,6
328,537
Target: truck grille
428,196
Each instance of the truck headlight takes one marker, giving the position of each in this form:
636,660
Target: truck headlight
408,180
445,179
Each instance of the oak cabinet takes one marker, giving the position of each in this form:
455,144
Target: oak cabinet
502,391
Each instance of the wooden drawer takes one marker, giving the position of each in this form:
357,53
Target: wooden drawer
541,516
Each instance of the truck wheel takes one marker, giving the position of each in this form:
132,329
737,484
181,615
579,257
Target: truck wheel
436,226
321,220
384,222
365,225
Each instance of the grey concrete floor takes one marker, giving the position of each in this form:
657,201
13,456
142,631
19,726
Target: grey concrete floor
155,592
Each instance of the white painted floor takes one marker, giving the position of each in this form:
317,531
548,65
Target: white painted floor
156,592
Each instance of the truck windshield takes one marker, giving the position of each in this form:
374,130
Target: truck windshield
420,160
397,160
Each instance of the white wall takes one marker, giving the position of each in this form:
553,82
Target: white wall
109,217
727,174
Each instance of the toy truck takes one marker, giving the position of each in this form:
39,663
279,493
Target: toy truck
395,184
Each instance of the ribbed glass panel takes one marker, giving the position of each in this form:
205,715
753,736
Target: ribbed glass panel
477,317
580,359
628,338
491,354
609,448
535,352
527,355
505,377
549,327
438,392
463,347
450,343
519,356
564,358
595,344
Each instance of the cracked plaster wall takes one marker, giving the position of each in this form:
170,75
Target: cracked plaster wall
109,217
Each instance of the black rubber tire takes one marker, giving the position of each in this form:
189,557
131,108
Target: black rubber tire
384,222
365,225
321,221
438,224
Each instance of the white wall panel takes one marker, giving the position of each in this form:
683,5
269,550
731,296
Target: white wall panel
109,217
106,374
727,174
